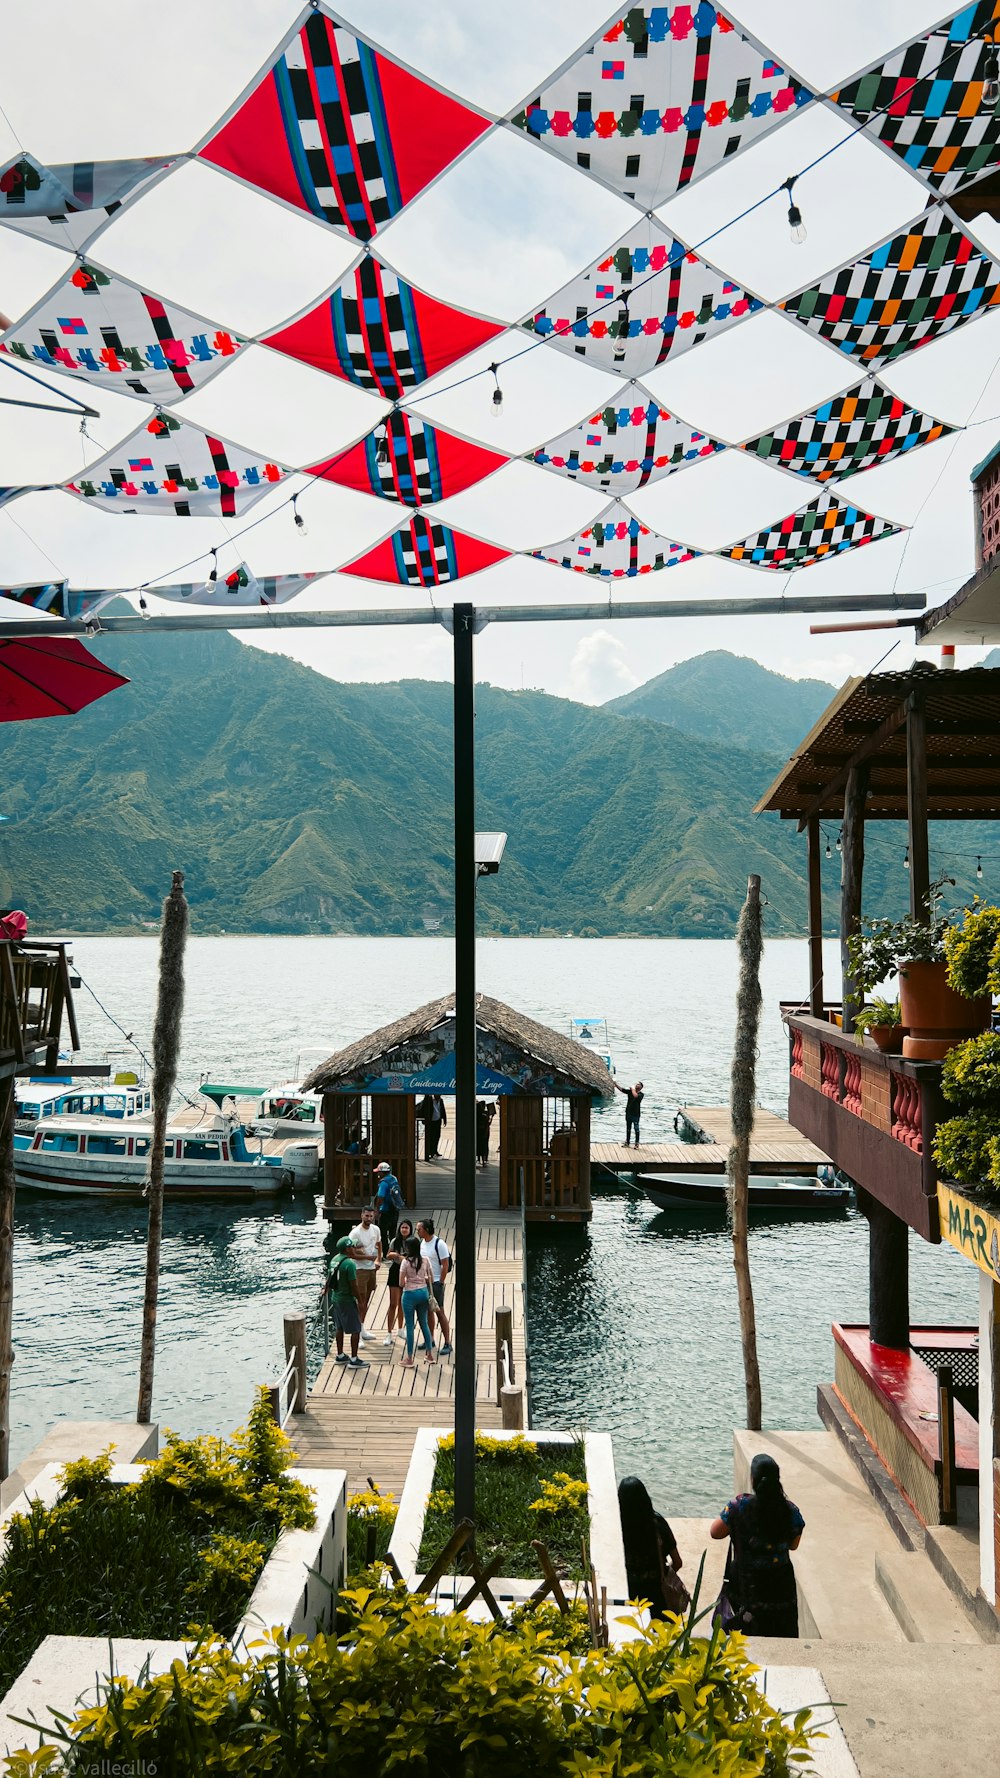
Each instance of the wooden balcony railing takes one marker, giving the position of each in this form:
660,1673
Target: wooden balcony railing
34,993
873,1114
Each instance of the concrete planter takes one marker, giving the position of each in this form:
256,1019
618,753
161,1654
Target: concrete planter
607,1549
292,1594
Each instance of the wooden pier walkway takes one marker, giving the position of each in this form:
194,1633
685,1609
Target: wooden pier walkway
775,1147
365,1421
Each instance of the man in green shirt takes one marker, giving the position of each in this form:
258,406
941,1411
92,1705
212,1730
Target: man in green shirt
344,1293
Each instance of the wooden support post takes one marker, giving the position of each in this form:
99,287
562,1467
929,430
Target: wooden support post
503,1322
852,841
948,1487
916,807
295,1344
888,1277
274,1401
815,920
482,1575
512,1408
463,1533
551,1583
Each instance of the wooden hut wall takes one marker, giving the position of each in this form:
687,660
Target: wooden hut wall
394,1138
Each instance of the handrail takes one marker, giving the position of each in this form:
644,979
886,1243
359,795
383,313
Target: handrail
280,1393
506,1361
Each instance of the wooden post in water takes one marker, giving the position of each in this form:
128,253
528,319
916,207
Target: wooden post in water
744,1077
295,1343
6,1266
166,1049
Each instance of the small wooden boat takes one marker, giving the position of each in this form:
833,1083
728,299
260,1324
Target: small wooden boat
707,1192
97,1158
593,1034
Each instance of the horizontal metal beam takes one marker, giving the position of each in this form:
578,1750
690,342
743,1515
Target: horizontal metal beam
275,618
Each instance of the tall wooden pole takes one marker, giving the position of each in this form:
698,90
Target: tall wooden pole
749,942
166,1049
6,1266
852,840
815,920
465,1066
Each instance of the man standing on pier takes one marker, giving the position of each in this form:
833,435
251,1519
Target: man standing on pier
342,1280
432,1114
633,1110
366,1243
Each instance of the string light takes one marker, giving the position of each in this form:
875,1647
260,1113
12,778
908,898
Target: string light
497,393
795,221
383,448
300,523
979,869
828,852
839,846
991,78
213,573
906,859
143,607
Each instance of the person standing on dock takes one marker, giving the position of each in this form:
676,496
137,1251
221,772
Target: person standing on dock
484,1118
367,1243
633,1110
342,1287
389,1201
437,1253
432,1115
758,1594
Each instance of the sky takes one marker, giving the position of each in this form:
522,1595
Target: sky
499,233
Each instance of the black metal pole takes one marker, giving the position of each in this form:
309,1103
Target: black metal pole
465,1070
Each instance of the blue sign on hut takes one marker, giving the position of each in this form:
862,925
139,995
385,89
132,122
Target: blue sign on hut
543,1083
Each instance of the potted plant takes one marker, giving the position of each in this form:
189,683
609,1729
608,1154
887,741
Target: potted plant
882,1021
934,1014
973,952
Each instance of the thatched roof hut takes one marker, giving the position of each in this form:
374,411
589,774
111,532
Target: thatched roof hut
546,1062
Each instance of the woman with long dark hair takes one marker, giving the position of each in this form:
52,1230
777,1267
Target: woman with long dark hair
395,1255
651,1554
758,1594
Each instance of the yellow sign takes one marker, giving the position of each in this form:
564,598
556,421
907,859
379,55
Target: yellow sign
972,1228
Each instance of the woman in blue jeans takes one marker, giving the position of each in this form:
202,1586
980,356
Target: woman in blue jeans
415,1278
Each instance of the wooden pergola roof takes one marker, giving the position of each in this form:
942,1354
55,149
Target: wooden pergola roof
866,721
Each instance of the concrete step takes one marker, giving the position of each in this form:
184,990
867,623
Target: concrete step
67,1440
920,1602
953,1550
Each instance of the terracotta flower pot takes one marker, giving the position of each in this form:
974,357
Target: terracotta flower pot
933,1013
887,1038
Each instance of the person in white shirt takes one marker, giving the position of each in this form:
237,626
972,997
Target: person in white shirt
438,1256
367,1244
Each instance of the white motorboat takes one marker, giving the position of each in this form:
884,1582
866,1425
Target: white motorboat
97,1158
593,1034
285,1110
125,1097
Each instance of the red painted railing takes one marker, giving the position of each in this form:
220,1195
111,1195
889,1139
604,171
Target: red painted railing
906,1112
797,1067
829,1071
852,1084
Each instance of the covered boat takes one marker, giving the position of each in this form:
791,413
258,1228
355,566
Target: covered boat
95,1158
125,1097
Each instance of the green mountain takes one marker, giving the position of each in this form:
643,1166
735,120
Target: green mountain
298,804
731,700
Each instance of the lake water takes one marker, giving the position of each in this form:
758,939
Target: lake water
633,1322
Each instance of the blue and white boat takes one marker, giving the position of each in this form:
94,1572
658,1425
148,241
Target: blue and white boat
593,1034
125,1097
95,1157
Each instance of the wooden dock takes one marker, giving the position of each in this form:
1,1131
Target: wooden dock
365,1421
775,1147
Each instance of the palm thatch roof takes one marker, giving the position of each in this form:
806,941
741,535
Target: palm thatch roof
577,1067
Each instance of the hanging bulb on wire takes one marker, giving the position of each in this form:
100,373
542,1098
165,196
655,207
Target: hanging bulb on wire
828,852
979,869
906,859
382,452
300,523
991,78
143,607
497,393
795,222
213,573
839,846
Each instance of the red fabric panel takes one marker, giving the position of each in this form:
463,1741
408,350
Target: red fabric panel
253,145
50,676
427,129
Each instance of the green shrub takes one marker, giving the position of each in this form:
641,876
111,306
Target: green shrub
962,1149
409,1689
523,1491
970,1075
971,950
370,1520
879,1015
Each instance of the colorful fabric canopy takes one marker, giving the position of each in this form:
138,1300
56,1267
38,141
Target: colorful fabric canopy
825,528
65,205
424,554
659,98
626,445
374,330
644,301
866,425
56,598
926,102
239,587
408,460
50,676
341,130
170,467
916,286
106,330
616,546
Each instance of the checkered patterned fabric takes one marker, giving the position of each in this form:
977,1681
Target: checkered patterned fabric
662,97
626,445
424,554
380,333
96,326
405,459
342,131
239,587
56,598
825,528
616,546
65,205
170,467
926,101
646,300
866,425
921,284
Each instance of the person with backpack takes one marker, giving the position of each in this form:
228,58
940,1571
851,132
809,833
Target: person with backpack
415,1278
395,1255
342,1288
437,1253
389,1201
758,1594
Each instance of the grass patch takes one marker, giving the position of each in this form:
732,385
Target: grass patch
510,1477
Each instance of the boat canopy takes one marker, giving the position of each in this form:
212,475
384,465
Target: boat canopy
218,1093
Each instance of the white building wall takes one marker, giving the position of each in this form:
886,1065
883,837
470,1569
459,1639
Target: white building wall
989,1339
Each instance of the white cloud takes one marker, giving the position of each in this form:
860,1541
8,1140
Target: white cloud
600,669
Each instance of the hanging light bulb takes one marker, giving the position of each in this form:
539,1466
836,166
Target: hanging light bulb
213,573
143,607
300,523
497,394
906,859
991,78
839,846
828,852
383,448
979,869
795,221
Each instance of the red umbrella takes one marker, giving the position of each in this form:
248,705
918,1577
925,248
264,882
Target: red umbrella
50,676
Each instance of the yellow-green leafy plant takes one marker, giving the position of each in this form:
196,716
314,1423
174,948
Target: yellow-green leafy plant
370,1520
962,1149
970,1075
973,952
560,1494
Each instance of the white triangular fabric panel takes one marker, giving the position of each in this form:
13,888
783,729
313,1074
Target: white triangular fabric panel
616,546
626,445
240,587
97,326
65,205
647,300
57,598
658,99
172,468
